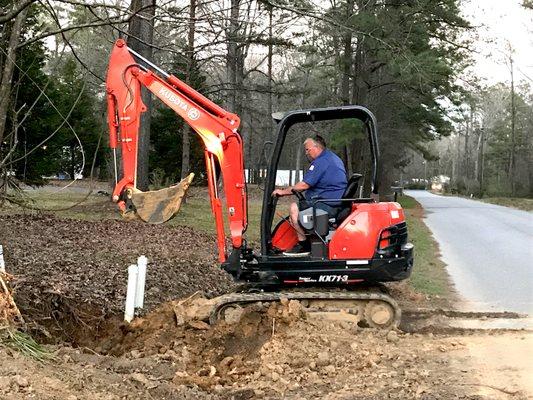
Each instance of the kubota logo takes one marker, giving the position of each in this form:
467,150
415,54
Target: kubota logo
167,94
193,114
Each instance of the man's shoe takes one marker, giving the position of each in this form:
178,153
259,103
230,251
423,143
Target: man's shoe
301,249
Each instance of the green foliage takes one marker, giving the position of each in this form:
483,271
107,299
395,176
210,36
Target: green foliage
24,343
404,60
347,131
167,133
42,95
499,142
84,121
47,140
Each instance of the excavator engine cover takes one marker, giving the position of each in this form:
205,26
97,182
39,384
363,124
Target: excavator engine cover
158,206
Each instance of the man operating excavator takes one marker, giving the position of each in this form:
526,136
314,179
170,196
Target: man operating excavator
325,179
367,242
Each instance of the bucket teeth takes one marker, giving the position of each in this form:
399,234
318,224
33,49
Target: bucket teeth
158,206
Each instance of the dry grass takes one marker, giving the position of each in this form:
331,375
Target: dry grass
518,203
429,272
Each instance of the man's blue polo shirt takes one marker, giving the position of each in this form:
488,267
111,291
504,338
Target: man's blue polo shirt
326,177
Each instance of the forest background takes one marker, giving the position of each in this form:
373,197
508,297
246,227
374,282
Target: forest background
404,60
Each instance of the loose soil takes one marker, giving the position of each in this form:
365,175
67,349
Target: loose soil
70,279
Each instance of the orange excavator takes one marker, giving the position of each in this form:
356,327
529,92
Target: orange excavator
351,255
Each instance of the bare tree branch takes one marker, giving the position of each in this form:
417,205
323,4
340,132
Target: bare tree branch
22,5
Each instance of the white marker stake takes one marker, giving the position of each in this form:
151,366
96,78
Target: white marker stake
142,262
2,263
129,313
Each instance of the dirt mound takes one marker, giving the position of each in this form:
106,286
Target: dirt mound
205,355
274,351
76,270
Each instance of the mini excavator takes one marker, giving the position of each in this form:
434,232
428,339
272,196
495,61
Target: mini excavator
351,255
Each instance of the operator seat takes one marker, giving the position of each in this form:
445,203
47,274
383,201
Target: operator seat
307,216
349,193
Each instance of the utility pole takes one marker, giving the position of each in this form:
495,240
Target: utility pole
425,173
481,160
513,127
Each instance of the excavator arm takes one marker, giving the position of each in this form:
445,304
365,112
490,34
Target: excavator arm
216,127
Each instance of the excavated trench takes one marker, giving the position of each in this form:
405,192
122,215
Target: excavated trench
173,333
270,351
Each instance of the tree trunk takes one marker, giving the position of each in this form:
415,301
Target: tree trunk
480,160
297,165
186,141
8,68
530,171
72,162
235,60
270,126
346,67
140,39
466,155
346,60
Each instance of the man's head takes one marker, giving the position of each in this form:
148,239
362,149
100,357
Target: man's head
314,147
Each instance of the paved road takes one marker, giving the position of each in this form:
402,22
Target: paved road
488,250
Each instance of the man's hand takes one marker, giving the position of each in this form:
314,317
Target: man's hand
299,187
280,193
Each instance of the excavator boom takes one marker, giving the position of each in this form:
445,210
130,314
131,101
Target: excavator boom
217,128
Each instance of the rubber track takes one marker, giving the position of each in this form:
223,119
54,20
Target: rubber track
247,298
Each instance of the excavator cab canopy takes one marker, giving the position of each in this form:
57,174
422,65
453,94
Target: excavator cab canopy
284,124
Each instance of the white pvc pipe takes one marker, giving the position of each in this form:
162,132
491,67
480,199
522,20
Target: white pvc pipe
142,262
129,312
2,263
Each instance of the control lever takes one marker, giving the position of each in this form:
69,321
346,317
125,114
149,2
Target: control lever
299,195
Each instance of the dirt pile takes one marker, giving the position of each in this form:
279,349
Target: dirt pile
277,351
70,269
265,351
266,356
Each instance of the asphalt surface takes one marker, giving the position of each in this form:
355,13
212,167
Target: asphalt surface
488,250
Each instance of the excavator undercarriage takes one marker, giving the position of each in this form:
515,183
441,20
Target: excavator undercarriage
363,308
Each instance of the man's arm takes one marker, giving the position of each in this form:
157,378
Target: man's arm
299,187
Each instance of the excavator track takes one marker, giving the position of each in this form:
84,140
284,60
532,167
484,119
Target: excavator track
375,310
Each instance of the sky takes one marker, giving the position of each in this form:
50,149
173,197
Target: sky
500,22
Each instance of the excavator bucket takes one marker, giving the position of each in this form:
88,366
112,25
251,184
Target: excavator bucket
158,206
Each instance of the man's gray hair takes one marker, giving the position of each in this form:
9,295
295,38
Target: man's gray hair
317,140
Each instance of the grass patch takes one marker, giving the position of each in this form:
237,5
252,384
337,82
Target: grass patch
429,274
65,204
518,203
25,344
196,213
407,202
